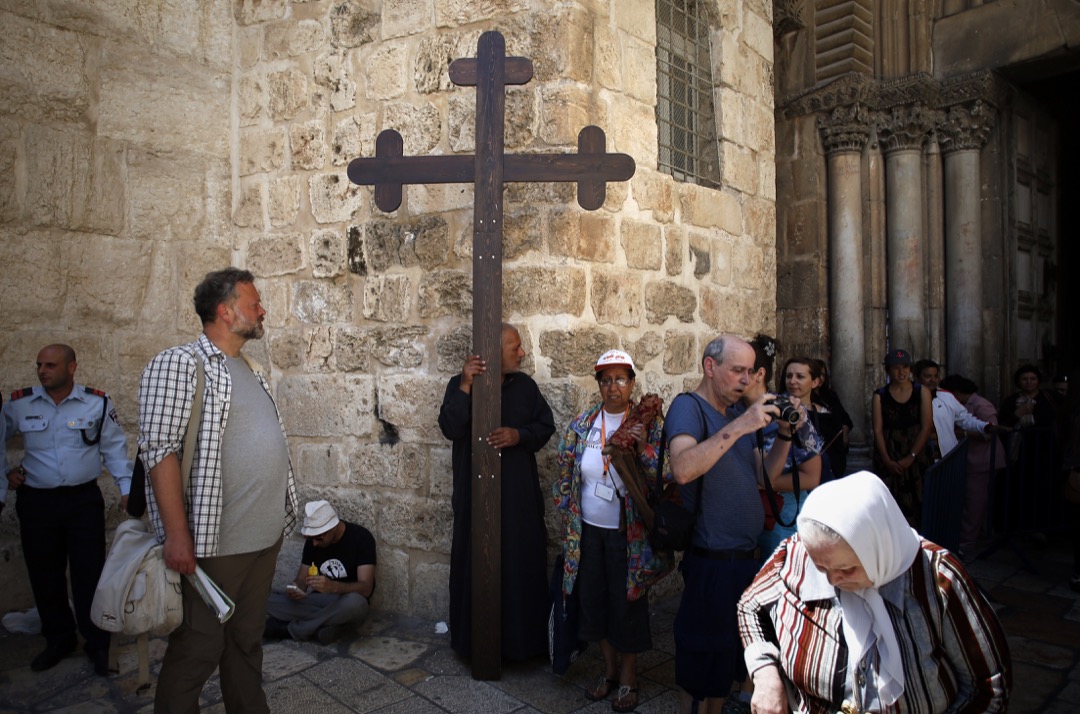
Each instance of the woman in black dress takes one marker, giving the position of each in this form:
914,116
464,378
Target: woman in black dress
903,421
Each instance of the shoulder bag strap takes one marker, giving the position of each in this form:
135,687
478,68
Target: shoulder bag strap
658,486
191,436
701,479
769,492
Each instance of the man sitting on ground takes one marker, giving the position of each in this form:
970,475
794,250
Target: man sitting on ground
319,606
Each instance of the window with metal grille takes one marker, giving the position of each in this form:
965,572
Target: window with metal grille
684,106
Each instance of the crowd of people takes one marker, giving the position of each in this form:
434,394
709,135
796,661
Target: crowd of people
804,588
227,515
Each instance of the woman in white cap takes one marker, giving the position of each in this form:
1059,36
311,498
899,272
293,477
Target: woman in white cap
607,555
857,614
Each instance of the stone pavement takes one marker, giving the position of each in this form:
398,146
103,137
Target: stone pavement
399,664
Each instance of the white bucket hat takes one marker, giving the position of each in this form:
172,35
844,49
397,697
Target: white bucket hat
319,517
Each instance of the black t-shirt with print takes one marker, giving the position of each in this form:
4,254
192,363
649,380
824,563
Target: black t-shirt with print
340,560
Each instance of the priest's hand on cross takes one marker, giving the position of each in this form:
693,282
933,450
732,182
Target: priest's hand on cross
473,367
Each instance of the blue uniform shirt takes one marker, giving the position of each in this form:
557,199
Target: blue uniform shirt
55,453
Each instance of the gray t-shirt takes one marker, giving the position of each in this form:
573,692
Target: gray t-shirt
731,513
254,467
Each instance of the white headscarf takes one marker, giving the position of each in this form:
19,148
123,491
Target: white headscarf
860,508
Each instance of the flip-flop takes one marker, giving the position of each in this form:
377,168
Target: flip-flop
626,700
603,684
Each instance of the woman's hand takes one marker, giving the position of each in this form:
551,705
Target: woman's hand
899,466
769,695
638,432
803,415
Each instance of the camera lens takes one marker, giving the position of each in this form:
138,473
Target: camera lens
788,411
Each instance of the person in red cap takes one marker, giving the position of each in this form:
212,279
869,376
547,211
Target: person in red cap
903,421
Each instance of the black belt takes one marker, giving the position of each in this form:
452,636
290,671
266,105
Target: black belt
59,489
754,554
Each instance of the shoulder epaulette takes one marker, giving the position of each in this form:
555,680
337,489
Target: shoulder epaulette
98,392
20,393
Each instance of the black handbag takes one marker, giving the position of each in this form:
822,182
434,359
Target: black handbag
136,505
564,645
673,525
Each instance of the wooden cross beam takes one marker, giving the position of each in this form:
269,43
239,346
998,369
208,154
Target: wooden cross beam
591,168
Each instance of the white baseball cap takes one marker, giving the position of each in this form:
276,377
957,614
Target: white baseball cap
319,517
614,358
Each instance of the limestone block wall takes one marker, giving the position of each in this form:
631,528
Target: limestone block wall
115,192
369,313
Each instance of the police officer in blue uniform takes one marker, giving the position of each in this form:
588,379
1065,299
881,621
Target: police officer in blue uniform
68,430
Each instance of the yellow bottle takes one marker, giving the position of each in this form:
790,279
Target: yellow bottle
313,570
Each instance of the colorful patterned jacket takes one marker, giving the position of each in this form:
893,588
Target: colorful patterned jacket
644,567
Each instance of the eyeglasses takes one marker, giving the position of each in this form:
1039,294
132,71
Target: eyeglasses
619,381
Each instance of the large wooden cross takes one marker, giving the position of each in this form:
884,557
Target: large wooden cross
488,170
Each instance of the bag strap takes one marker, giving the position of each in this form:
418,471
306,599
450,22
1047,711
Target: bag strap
136,505
658,485
769,492
191,436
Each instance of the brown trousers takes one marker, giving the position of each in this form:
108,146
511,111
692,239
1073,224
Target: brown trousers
201,644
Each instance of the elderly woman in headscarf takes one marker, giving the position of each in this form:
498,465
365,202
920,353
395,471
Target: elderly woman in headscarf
857,614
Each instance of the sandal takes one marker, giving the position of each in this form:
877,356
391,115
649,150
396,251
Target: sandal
626,700
601,689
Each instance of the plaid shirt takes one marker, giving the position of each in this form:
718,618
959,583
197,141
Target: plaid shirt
955,655
165,395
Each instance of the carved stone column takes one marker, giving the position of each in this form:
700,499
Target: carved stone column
902,133
935,254
963,133
844,133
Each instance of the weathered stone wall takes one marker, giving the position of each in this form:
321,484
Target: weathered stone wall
115,192
232,145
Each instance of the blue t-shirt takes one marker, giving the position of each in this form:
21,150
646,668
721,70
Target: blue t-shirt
731,514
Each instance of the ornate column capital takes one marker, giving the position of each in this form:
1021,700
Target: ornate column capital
905,127
845,128
966,126
787,17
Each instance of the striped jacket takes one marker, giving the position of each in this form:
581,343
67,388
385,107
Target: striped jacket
955,655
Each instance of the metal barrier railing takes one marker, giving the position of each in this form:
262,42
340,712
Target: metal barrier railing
944,492
1026,496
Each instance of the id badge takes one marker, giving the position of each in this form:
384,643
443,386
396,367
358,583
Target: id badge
604,491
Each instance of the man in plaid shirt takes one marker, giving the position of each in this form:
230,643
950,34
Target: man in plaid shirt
240,496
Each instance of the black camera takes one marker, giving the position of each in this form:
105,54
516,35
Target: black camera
788,411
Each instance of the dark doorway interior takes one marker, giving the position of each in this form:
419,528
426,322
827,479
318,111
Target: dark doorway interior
1056,84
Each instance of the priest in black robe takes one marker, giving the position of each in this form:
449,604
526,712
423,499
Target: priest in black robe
527,424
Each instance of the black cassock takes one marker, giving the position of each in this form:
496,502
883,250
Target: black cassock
524,554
